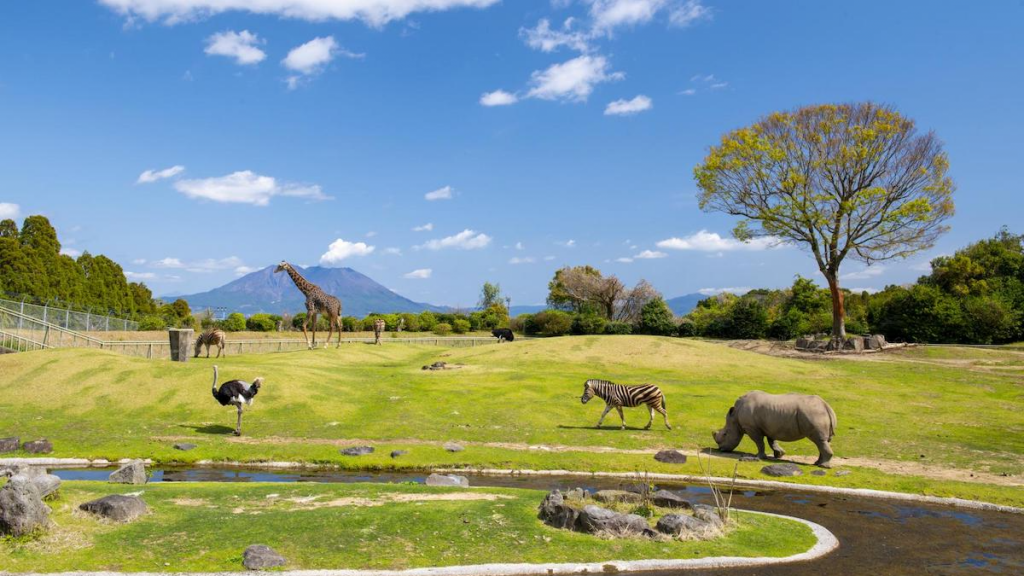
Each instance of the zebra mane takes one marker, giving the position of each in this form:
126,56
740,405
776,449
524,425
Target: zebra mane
594,381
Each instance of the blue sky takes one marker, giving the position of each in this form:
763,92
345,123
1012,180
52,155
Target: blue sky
192,144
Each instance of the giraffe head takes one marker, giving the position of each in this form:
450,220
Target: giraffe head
282,266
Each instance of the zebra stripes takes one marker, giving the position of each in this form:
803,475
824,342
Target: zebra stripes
215,337
618,396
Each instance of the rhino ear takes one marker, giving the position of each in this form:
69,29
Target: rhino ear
731,410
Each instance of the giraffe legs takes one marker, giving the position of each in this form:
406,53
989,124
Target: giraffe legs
304,336
330,331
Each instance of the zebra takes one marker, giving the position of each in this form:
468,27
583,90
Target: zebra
215,337
378,329
618,395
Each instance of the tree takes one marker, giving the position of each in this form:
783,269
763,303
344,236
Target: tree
582,289
853,180
631,302
656,318
8,228
490,295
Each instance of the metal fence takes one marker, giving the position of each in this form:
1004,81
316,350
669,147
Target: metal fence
21,332
70,319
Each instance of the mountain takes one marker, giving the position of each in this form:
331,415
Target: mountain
528,309
265,291
683,305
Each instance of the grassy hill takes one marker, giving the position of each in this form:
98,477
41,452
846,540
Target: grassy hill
923,422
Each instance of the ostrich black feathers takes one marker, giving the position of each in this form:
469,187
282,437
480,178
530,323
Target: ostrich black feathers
236,393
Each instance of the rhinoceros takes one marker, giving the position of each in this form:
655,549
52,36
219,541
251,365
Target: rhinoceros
785,417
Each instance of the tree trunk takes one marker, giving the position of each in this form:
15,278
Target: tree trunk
838,311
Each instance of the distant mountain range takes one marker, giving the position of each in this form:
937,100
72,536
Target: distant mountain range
683,305
265,291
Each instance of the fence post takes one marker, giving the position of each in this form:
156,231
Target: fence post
20,319
88,316
45,307
108,324
67,318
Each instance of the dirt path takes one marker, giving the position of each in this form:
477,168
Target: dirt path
898,467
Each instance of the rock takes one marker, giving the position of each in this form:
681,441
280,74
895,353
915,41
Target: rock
707,514
46,483
453,447
556,513
9,444
819,345
260,557
133,472
854,344
748,458
185,447
613,496
21,507
874,342
779,470
594,519
818,473
804,343
666,499
397,453
670,457
679,524
437,366
576,494
842,472
357,451
447,480
116,507
38,447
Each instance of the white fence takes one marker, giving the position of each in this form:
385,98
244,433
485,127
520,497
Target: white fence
70,319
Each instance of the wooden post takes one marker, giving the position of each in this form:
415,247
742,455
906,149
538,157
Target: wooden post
180,340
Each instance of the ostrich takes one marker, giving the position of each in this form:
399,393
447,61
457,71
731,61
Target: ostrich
236,393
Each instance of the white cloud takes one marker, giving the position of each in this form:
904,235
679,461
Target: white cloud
168,263
246,187
546,39
242,46
688,92
650,255
71,252
869,272
624,260
569,243
519,246
311,57
572,81
139,261
243,270
342,249
419,274
424,228
373,12
688,13
522,260
9,210
392,251
705,241
609,14
440,194
549,258
731,290
150,176
371,234
498,98
139,275
628,107
465,240
203,266
719,85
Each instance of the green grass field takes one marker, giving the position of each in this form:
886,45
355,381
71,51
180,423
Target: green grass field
205,527
918,422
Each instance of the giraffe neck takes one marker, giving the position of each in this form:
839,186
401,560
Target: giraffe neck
301,283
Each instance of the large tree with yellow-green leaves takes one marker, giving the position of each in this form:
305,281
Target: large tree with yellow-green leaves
841,180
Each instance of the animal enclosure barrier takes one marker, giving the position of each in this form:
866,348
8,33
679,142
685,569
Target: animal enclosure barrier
69,319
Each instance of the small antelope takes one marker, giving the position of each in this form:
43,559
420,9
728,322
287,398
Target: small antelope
209,338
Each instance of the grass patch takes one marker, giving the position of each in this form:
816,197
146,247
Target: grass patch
205,527
505,398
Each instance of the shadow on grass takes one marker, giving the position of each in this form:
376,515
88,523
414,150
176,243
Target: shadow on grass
604,428
210,429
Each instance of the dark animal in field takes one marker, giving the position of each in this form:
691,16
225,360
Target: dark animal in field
785,417
503,335
211,338
236,393
378,329
618,396
317,302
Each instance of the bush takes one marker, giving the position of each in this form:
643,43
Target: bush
152,323
687,328
588,324
411,322
235,322
460,326
261,323
551,323
351,323
427,321
656,318
749,320
618,328
321,322
518,324
442,329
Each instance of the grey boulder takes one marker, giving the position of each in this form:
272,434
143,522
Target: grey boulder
9,444
556,513
133,472
397,453
261,557
37,447
21,507
670,457
116,507
447,480
708,514
613,496
357,451
666,499
679,524
779,470
594,519
185,447
453,447
46,483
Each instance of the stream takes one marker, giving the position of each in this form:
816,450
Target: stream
876,536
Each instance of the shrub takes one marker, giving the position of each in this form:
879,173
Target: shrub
518,324
588,324
460,326
152,323
261,323
442,329
618,328
552,323
351,323
656,318
427,321
687,328
749,319
411,322
235,322
321,322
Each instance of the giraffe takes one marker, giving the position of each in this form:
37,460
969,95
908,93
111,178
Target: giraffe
317,302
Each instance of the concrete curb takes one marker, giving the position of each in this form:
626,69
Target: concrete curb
826,543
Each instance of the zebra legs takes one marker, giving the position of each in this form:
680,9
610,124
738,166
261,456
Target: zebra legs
651,421
622,416
607,409
664,413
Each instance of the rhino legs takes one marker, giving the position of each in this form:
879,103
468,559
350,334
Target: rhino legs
777,450
824,453
758,439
